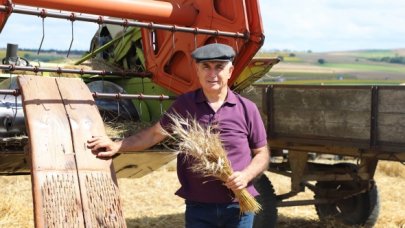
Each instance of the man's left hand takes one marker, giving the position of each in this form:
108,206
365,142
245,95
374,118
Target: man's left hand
237,181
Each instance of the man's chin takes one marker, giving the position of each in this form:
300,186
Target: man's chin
212,87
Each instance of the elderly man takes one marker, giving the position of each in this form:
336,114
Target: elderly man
209,202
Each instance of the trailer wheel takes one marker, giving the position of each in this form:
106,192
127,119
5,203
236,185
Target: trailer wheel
361,209
267,217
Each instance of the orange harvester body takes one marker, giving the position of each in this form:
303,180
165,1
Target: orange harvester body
167,53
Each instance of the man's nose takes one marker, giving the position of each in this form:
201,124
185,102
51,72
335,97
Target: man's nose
212,73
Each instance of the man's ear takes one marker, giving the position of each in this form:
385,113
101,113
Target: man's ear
197,66
231,69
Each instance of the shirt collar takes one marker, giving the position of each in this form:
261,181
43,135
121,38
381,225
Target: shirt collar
230,98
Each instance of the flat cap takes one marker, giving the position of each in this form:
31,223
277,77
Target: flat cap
213,52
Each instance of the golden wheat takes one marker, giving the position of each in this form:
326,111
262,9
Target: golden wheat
206,147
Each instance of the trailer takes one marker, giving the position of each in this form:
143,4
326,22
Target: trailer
356,126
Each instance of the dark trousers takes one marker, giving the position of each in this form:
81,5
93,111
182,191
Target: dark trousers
207,215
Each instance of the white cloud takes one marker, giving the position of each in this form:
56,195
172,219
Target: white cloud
324,25
318,25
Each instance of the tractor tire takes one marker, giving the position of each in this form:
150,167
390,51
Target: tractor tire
267,217
360,210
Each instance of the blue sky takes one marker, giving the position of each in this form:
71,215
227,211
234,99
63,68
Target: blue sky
327,25
317,25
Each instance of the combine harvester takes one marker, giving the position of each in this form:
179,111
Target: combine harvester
153,46
151,42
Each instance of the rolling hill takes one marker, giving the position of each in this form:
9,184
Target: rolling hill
348,67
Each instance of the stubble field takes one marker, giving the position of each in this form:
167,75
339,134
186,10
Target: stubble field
150,201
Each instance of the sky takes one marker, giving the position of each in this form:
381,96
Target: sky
299,25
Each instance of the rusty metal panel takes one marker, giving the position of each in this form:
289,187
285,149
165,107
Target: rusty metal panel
98,183
70,185
56,192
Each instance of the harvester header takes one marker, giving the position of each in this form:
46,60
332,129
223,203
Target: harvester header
170,30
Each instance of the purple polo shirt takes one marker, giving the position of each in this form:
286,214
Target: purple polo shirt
241,129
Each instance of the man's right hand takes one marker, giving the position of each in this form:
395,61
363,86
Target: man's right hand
103,146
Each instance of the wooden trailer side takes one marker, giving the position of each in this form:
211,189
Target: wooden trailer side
342,120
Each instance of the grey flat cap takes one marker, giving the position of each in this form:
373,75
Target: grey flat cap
213,52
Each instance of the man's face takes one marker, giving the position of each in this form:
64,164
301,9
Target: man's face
214,75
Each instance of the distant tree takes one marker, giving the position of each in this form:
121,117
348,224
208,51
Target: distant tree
388,59
291,55
309,51
397,59
321,61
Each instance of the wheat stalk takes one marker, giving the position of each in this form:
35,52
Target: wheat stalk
211,160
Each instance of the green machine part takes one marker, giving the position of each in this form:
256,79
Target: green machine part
148,110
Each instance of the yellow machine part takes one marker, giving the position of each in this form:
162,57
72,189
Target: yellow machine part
256,69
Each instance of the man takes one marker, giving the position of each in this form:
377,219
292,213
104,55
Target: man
210,202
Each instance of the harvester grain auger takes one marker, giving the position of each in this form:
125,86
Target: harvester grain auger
60,113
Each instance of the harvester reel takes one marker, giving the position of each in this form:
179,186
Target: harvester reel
113,110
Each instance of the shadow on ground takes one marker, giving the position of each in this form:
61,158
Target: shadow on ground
177,221
163,221
288,222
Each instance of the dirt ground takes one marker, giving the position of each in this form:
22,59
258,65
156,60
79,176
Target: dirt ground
150,201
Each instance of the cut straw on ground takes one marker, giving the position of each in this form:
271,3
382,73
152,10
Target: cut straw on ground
205,146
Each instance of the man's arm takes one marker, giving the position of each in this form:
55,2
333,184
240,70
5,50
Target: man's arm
259,163
103,146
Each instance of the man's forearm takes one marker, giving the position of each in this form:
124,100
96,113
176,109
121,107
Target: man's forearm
142,140
259,163
135,143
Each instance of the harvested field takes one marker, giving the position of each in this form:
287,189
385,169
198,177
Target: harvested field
150,201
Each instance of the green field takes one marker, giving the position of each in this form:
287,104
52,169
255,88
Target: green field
44,56
374,53
336,68
336,82
376,67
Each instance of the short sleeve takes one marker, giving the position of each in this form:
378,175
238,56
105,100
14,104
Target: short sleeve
257,132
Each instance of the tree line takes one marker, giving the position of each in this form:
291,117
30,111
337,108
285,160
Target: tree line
396,59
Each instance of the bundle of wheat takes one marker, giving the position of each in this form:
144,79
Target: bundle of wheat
206,147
